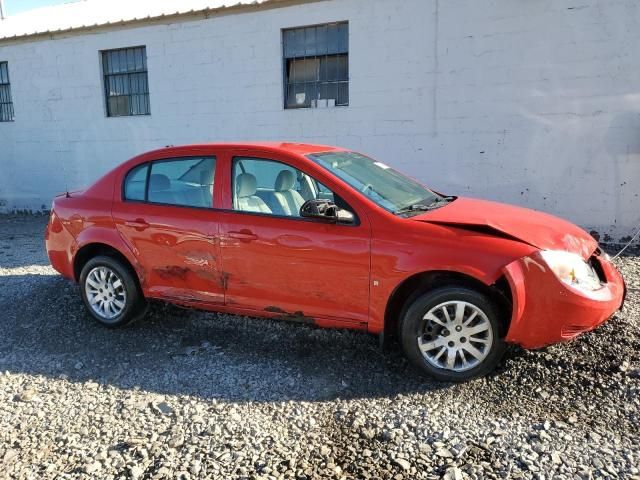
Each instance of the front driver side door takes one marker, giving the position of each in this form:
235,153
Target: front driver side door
278,262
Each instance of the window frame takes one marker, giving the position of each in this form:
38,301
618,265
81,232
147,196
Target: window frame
285,73
232,191
9,103
149,164
106,76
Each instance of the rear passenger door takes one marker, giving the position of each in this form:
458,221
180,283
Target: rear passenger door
166,216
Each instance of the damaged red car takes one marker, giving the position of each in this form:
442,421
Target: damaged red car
333,238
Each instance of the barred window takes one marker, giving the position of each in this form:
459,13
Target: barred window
6,104
316,66
125,81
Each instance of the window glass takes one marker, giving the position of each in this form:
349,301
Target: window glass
125,81
316,61
382,184
270,187
135,183
184,182
6,103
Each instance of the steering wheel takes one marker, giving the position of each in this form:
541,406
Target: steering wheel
366,187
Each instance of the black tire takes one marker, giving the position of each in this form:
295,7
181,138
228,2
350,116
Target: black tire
412,326
135,305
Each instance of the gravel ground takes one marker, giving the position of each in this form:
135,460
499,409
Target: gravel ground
186,394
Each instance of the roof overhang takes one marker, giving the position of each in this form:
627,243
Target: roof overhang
88,15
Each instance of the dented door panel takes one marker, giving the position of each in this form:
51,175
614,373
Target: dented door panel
177,249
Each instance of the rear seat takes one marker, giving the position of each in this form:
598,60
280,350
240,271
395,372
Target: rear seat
160,191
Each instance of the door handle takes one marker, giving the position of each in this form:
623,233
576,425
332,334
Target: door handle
243,235
138,224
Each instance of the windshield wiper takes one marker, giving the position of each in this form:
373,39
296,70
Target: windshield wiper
416,207
421,207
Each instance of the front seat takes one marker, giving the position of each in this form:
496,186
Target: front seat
247,200
289,199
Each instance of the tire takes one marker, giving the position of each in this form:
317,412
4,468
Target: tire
477,333
119,301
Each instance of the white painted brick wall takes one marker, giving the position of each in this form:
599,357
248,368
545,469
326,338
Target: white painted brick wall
533,103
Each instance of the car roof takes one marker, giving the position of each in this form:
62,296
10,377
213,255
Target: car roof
183,150
290,147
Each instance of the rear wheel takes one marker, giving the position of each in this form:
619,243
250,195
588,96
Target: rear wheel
110,292
452,334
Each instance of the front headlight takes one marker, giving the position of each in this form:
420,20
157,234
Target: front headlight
572,270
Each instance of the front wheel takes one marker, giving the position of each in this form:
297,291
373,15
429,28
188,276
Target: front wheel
110,292
452,334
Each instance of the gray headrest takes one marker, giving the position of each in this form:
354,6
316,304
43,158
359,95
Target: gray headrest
159,182
285,181
246,185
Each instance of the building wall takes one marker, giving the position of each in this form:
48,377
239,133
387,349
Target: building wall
535,103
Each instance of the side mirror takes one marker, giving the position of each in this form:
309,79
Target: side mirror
345,217
326,210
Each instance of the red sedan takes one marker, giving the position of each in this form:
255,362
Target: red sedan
333,238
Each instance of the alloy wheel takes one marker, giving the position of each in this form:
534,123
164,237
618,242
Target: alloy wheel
105,292
455,336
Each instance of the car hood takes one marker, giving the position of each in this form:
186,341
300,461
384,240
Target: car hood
538,229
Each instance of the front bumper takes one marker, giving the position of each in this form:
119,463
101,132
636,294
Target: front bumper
547,311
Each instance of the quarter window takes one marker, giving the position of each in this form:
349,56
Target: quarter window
125,81
316,66
186,182
136,183
6,104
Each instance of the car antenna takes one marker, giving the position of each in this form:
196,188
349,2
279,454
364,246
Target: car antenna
66,181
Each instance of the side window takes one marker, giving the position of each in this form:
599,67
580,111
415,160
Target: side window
135,183
324,192
270,187
186,182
